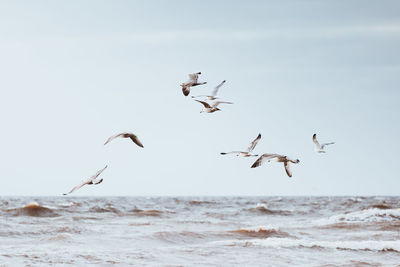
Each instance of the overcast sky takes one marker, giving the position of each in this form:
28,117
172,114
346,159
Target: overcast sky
74,73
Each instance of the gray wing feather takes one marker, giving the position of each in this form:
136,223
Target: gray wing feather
254,143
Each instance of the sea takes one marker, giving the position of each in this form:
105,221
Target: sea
200,231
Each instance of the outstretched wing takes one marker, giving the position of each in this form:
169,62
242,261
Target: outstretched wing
254,143
94,176
112,138
264,158
232,152
216,103
287,168
205,104
314,138
193,78
215,91
326,144
135,139
77,187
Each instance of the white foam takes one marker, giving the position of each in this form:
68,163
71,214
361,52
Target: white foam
369,215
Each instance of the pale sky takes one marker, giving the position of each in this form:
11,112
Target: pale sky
74,73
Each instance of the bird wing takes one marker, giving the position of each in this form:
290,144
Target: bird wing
112,138
232,152
326,144
185,89
205,104
314,138
216,103
135,139
193,78
78,186
200,96
254,143
94,176
264,158
287,168
215,91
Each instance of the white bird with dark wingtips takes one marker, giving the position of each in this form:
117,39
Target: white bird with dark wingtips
133,137
210,108
193,81
278,158
89,181
249,149
213,95
320,147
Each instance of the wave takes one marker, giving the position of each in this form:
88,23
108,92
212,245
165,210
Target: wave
382,206
34,210
368,215
151,212
262,209
200,202
104,210
260,232
273,242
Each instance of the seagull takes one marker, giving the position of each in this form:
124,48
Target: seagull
133,137
320,147
89,181
249,149
213,107
192,82
213,94
278,158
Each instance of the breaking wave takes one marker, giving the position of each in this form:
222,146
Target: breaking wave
34,210
368,215
260,232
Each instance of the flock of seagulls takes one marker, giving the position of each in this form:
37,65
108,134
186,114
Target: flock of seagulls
210,107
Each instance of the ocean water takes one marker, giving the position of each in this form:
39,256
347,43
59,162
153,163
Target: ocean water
200,231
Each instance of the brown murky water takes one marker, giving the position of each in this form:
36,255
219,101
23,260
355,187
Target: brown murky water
193,231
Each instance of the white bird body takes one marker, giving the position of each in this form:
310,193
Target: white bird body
277,158
320,147
193,81
249,149
91,181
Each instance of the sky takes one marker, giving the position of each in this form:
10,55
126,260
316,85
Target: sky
74,73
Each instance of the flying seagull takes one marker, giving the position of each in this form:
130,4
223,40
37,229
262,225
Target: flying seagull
210,108
191,83
278,158
89,181
320,147
249,149
133,137
213,95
